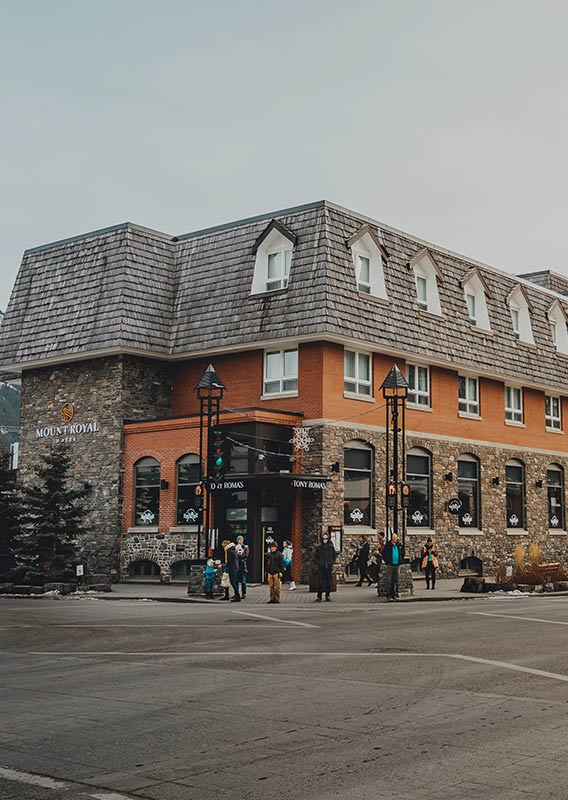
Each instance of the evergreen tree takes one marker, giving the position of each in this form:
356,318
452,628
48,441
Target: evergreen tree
53,517
10,512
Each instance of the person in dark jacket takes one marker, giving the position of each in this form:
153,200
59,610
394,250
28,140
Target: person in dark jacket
392,556
233,569
274,567
324,559
243,554
430,562
363,548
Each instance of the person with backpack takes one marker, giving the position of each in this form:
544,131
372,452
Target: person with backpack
430,562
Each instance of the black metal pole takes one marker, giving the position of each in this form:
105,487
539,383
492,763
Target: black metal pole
387,470
395,461
403,471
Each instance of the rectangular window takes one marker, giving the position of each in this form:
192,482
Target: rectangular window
278,270
515,321
515,496
419,381
419,480
281,371
364,283
471,308
552,324
513,404
422,292
468,395
555,490
553,412
358,479
357,373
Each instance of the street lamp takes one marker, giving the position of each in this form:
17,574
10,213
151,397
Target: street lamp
395,391
210,391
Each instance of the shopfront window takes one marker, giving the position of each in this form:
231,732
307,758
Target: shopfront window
147,492
358,507
236,514
418,477
515,493
468,492
189,502
555,491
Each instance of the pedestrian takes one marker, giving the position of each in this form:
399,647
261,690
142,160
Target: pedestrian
210,573
324,559
243,553
377,557
392,556
274,568
363,548
225,579
430,562
287,557
233,570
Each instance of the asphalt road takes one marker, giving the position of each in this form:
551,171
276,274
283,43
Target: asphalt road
158,700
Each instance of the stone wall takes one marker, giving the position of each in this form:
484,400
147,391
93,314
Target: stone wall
164,550
493,544
103,393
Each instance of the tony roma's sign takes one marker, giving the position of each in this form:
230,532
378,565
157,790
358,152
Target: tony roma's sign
68,430
316,482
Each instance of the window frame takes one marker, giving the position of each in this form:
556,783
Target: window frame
285,265
469,458
550,418
416,392
513,416
468,404
555,488
154,506
516,463
370,472
427,523
356,381
363,286
282,378
198,501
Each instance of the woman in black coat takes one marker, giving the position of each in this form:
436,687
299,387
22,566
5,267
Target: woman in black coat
363,548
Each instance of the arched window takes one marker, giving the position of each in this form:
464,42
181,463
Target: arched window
555,491
189,504
468,492
147,492
144,569
358,475
515,493
419,479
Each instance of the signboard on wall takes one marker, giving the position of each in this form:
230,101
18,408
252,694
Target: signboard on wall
68,431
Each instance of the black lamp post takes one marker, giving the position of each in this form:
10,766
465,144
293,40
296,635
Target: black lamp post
395,391
210,393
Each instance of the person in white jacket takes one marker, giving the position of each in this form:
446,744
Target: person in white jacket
287,556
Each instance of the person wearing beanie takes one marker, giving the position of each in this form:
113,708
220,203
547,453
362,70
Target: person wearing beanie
430,562
324,559
210,573
232,558
274,567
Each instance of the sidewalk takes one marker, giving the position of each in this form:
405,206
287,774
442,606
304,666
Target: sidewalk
346,594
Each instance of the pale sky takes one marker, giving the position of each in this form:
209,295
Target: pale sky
447,119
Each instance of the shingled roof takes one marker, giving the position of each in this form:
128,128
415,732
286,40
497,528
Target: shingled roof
133,290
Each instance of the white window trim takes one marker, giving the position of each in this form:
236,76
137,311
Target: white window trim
557,317
365,244
356,395
470,532
284,272
282,377
419,392
549,417
518,302
516,422
467,413
475,286
424,266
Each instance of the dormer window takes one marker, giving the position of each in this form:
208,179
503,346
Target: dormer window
558,331
476,293
273,250
426,275
520,315
369,257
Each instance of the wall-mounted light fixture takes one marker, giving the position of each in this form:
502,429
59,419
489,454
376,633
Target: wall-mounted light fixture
495,481
448,476
335,467
538,485
164,484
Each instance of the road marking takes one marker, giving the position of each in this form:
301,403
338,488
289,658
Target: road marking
275,619
255,653
516,616
110,625
49,783
34,780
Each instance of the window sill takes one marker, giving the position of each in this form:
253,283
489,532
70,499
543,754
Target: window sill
421,532
374,297
355,396
516,532
278,394
554,430
427,313
557,532
183,529
418,407
479,329
365,529
144,529
514,424
468,415
269,293
523,343
470,532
